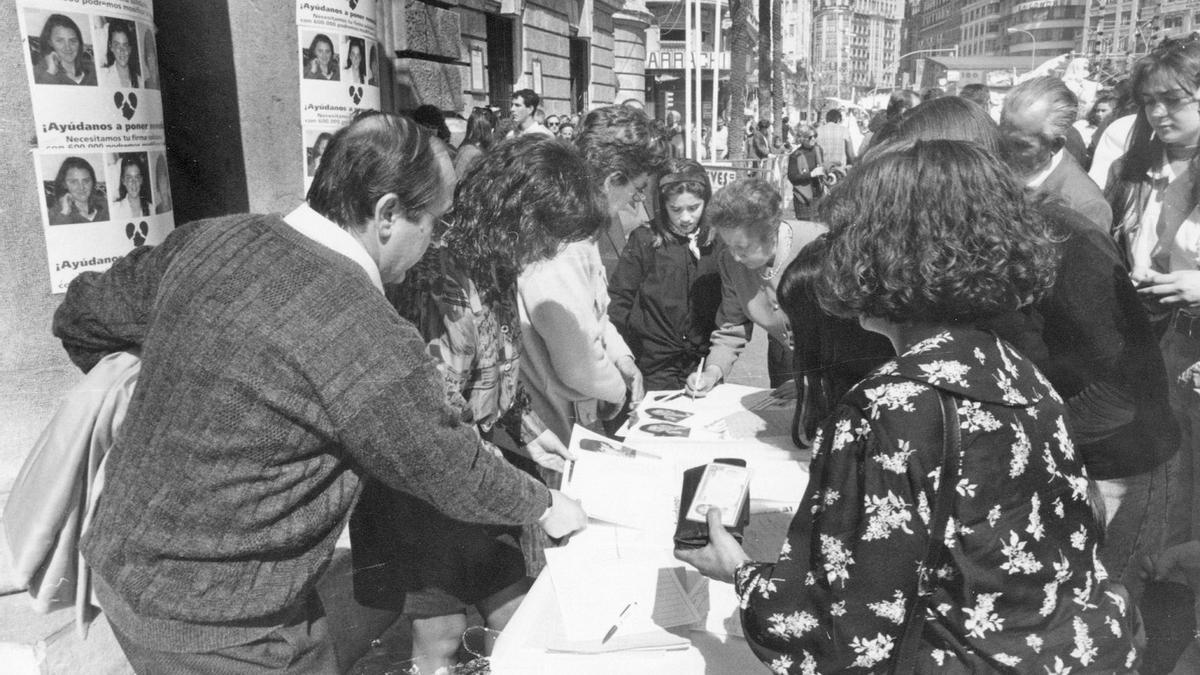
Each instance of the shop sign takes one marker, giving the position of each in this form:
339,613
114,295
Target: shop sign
674,59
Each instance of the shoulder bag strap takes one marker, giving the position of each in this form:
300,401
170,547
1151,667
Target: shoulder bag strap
904,660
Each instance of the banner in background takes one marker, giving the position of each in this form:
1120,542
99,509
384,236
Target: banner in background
101,158
339,70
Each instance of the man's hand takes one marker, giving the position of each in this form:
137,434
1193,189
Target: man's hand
721,557
547,451
699,384
786,391
564,517
633,380
1178,563
1180,288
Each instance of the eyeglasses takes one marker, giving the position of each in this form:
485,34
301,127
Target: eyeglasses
552,125
1170,101
441,226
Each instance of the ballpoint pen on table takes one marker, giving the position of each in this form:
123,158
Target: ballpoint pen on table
617,624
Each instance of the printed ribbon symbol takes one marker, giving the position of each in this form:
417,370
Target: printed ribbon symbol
137,233
356,94
126,104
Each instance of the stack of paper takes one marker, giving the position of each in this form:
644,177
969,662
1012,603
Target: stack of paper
616,605
618,484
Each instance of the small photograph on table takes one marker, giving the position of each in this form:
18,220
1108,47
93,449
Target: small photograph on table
665,429
667,414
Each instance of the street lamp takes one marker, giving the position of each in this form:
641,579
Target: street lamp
1033,40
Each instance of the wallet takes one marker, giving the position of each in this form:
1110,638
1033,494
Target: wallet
690,534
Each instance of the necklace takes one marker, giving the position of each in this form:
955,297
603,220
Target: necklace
783,241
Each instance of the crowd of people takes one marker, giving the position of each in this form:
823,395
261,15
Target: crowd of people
994,361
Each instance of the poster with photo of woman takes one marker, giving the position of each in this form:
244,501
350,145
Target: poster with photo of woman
74,191
60,52
120,66
100,138
339,71
131,198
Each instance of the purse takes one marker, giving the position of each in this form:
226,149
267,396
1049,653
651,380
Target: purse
904,661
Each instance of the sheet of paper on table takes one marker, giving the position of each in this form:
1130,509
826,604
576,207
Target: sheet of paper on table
619,484
593,592
729,411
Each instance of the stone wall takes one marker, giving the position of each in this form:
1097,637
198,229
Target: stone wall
34,370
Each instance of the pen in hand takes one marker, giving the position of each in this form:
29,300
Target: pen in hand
617,624
699,374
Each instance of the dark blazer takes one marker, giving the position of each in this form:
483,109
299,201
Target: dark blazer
1070,184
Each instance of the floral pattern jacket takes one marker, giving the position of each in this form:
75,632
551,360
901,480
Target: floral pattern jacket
476,342
1019,589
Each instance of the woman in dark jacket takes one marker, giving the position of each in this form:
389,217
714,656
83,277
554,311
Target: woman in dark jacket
666,288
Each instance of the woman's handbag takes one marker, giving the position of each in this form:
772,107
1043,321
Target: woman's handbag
904,661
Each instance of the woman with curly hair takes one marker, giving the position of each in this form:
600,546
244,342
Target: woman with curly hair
747,216
520,204
946,526
666,289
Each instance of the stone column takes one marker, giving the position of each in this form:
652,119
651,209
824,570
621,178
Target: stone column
629,50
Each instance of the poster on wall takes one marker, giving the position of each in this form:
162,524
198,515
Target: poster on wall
339,70
101,151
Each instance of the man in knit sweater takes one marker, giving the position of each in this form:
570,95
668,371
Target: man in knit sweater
275,374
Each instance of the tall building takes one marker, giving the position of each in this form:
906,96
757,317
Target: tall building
855,45
797,23
979,31
1042,29
1115,29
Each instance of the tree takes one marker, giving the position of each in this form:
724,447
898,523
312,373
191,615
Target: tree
764,58
740,51
777,73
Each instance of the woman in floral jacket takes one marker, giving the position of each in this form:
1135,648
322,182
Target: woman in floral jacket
925,240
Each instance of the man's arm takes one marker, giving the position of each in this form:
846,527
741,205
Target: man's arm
105,312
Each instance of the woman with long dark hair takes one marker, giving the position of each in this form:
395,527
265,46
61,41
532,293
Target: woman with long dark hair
1155,197
133,193
480,137
356,63
122,66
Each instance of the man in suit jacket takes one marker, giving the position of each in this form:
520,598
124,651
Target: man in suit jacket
1035,121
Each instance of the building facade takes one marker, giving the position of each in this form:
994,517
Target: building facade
666,56
1042,29
979,32
1117,32
576,54
855,45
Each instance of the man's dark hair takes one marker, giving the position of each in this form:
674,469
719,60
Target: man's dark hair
376,154
431,117
978,93
834,116
529,98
